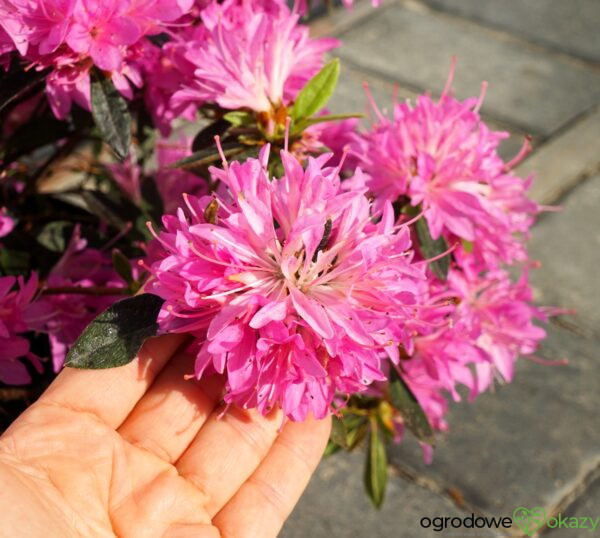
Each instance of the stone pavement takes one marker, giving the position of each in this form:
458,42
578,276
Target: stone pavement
535,442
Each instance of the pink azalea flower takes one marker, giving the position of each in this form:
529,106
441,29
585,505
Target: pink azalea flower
442,157
71,36
16,317
7,224
253,56
172,183
291,288
66,315
496,317
41,25
101,29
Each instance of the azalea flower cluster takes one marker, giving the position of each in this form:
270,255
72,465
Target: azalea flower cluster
312,260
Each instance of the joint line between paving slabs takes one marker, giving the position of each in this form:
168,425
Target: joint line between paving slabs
545,48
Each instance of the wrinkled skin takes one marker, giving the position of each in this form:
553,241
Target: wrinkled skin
140,452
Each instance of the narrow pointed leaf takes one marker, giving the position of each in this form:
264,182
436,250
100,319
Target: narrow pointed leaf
317,92
376,472
307,122
122,266
208,156
111,114
338,432
206,136
115,337
238,118
430,248
405,401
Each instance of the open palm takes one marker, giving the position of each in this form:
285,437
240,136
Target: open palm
140,452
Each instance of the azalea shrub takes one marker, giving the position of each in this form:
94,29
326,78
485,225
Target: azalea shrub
170,166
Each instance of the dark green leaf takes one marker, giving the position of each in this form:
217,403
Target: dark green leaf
159,39
122,266
338,432
152,200
317,92
55,235
14,262
34,134
18,84
206,136
115,337
430,248
111,114
405,401
208,156
118,212
238,118
376,471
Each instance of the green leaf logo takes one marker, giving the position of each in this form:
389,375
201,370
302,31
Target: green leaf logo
529,520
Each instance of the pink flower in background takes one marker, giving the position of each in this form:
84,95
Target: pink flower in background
172,183
497,317
37,27
442,157
71,36
166,71
17,315
7,224
67,314
253,56
291,288
101,30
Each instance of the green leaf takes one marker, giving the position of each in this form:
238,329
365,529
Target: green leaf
357,428
206,136
376,472
430,248
34,134
405,401
14,262
338,432
317,92
467,245
331,449
19,84
307,122
55,235
111,114
115,337
122,266
237,118
207,156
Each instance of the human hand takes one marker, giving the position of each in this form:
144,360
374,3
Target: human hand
139,452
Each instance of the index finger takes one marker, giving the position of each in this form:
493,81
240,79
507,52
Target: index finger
112,394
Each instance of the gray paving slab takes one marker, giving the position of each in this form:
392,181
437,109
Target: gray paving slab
588,506
528,88
568,245
563,161
350,97
567,25
535,439
527,444
335,506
